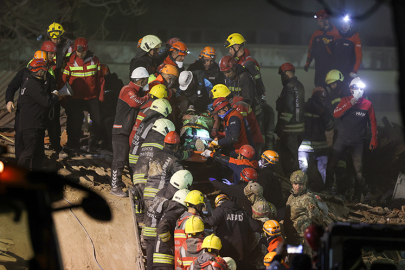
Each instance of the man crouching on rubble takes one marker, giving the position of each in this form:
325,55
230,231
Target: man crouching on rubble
304,206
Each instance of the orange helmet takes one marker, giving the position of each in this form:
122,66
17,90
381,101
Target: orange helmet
48,46
172,138
104,69
170,69
37,65
249,174
41,55
220,198
180,47
139,43
208,52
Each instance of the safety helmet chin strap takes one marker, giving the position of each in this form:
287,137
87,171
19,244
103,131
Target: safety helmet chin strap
236,51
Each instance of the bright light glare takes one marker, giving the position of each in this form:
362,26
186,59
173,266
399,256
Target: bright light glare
1,166
346,18
315,16
361,85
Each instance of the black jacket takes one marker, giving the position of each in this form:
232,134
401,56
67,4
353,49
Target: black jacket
113,86
290,108
235,228
197,94
142,59
271,187
235,192
33,102
213,74
243,85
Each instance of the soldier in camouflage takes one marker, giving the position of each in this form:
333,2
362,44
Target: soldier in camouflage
261,209
304,206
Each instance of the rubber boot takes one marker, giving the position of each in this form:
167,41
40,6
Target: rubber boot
116,184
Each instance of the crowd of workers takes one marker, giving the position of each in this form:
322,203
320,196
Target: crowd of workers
142,123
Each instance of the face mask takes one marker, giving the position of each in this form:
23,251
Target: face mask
179,64
261,164
357,93
222,116
145,88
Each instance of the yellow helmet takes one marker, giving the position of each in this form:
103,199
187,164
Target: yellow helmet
220,90
269,257
55,30
333,76
272,228
195,197
220,198
159,91
41,55
212,242
194,225
234,39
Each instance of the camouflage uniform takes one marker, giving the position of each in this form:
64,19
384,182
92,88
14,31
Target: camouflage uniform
261,209
304,208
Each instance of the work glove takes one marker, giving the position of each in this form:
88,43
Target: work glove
226,181
206,153
306,68
214,143
212,179
373,144
353,74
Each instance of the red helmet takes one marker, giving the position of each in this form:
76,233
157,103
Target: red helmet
219,103
319,91
172,138
226,63
286,67
81,45
104,69
249,174
48,46
322,14
247,151
219,263
312,235
37,65
180,47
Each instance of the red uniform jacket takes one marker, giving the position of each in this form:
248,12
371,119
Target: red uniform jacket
85,77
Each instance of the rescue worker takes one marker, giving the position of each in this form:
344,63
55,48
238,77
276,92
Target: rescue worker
178,186
347,52
64,47
273,236
33,103
304,207
235,228
195,202
210,259
236,192
177,54
272,191
166,51
168,77
16,84
245,159
157,92
146,56
192,247
83,72
290,119
130,100
237,131
321,47
336,87
238,80
162,166
207,64
236,45
314,147
151,145
195,91
163,257
354,112
220,90
268,262
261,209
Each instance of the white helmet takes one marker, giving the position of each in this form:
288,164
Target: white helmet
163,126
230,262
150,42
180,196
357,86
161,106
139,73
181,179
185,79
